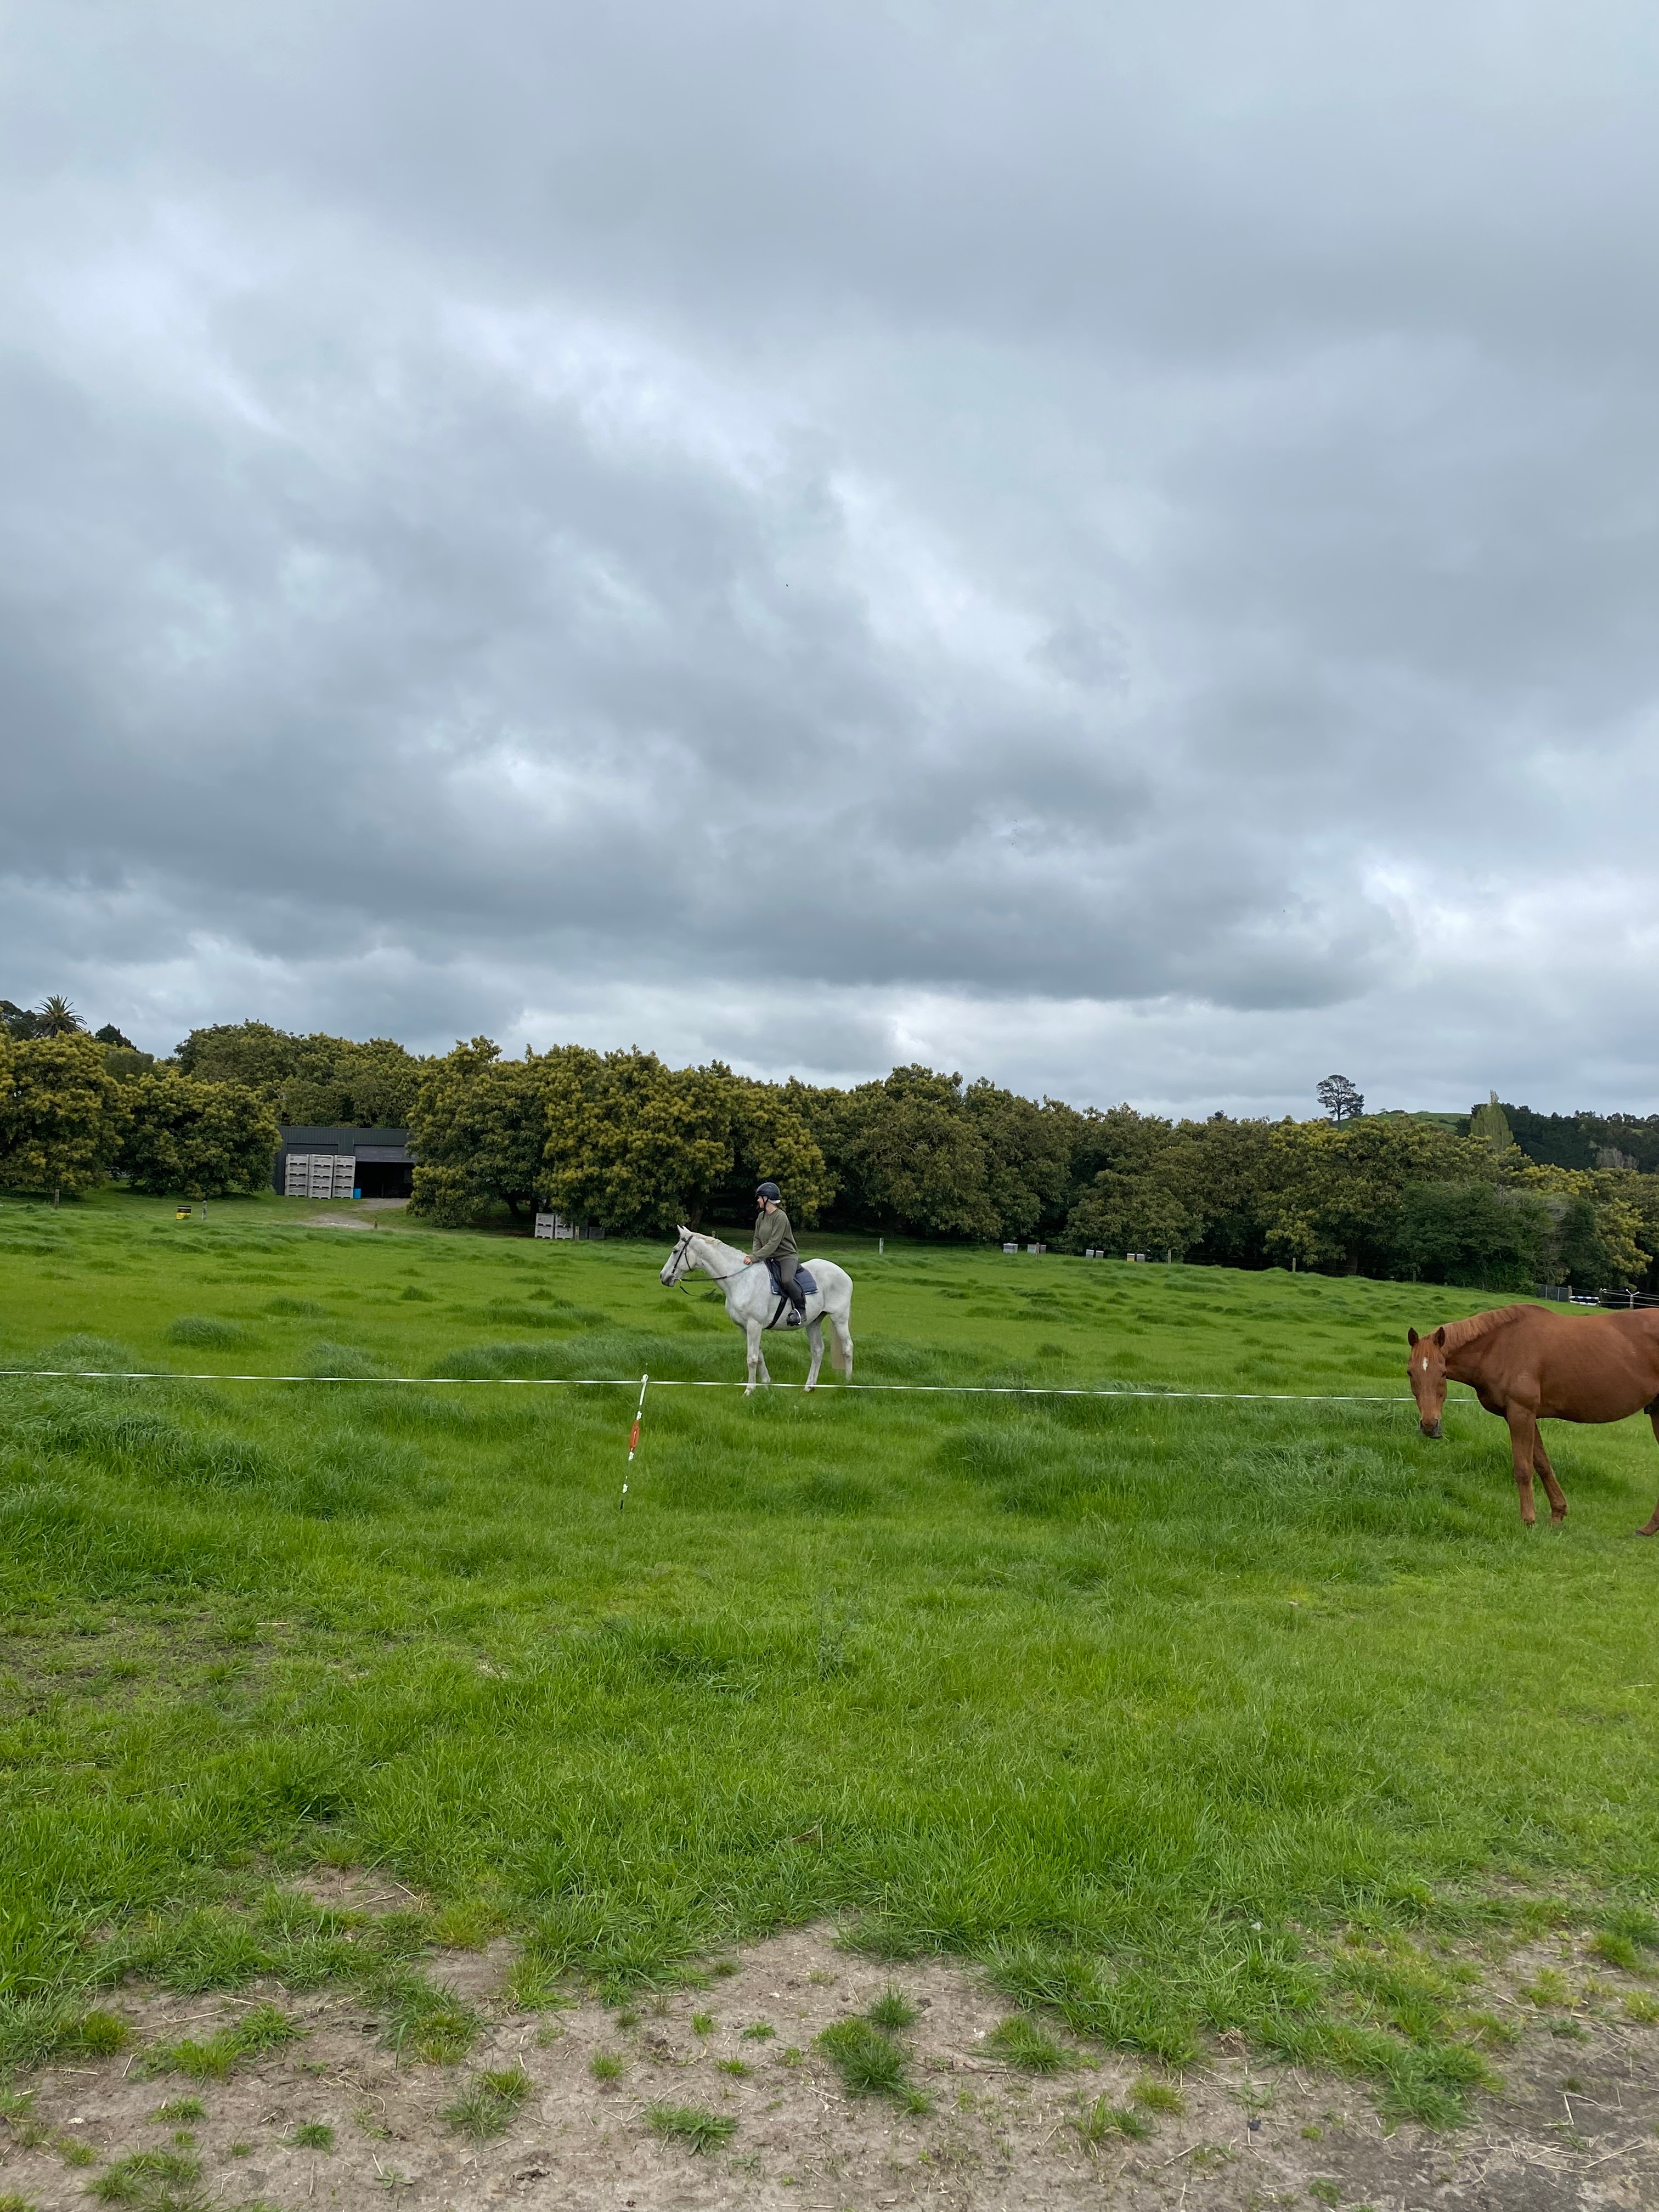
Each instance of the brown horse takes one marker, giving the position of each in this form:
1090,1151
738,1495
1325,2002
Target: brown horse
1533,1366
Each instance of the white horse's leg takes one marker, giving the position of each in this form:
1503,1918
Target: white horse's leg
756,1364
842,1324
814,1338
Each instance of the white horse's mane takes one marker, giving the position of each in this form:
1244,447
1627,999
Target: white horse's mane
701,1236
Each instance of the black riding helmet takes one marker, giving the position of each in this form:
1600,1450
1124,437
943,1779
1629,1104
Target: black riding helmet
770,1190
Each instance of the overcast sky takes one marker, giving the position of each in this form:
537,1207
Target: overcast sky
1113,548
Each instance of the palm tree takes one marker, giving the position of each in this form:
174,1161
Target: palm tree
55,1016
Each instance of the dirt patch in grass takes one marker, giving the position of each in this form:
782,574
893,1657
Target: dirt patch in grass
334,2116
359,1889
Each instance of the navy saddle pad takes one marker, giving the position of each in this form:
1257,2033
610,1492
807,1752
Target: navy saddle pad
804,1276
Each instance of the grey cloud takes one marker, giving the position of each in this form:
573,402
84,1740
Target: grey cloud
1111,549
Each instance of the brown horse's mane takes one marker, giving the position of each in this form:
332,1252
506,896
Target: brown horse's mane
1460,1333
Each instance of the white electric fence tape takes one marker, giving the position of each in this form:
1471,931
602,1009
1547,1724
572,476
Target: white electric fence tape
681,1383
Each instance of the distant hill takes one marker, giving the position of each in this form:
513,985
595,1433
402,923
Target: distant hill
1458,1123
1587,1140
1562,1140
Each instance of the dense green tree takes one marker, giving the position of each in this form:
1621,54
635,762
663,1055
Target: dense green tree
1121,1213
125,1062
623,1139
1639,1195
477,1125
635,1145
198,1140
909,1155
1146,1192
632,1143
1585,1140
616,1137
770,1142
316,1079
1580,1252
1472,1233
1028,1152
1343,1182
60,1113
1233,1178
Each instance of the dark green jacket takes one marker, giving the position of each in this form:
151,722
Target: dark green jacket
773,1237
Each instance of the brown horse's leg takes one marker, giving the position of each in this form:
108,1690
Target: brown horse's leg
1524,1442
1557,1496
1652,1528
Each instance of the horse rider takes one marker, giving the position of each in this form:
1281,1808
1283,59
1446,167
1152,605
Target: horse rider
775,1240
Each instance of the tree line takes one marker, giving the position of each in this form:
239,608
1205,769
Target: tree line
624,1140
67,1122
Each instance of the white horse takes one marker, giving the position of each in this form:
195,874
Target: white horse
751,1302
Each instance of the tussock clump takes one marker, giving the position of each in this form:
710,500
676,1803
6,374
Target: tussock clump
204,1330
1020,2042
598,1352
1103,2121
216,2058
697,2131
97,1355
343,1360
869,2063
36,2029
423,2020
153,2180
488,2104
892,2009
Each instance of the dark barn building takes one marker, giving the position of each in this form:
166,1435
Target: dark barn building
342,1163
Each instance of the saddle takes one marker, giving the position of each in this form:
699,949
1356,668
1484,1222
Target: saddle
788,1313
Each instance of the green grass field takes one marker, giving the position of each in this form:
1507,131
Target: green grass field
1152,1705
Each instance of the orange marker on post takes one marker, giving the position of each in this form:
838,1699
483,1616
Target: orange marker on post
634,1439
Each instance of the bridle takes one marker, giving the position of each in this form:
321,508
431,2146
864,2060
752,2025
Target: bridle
679,1282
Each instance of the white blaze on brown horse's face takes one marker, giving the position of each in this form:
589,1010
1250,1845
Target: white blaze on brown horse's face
1427,1369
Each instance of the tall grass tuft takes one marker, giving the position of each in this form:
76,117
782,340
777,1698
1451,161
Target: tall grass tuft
869,2063
1020,2042
694,2130
216,2058
488,2105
